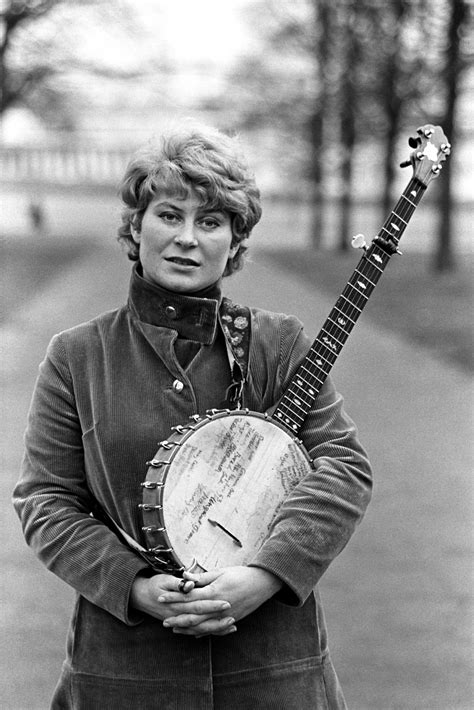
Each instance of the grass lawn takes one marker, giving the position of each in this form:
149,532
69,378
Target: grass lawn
431,310
28,264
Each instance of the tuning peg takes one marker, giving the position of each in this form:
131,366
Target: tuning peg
358,242
446,148
405,164
413,142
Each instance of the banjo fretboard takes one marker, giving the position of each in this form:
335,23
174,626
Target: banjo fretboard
326,348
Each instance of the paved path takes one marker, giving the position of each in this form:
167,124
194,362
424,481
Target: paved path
398,599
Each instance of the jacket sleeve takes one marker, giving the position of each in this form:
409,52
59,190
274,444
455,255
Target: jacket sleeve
319,516
53,501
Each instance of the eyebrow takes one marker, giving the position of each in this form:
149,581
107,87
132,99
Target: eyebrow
202,209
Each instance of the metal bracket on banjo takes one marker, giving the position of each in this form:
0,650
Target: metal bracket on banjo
150,485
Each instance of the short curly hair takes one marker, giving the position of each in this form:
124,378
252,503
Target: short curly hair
194,158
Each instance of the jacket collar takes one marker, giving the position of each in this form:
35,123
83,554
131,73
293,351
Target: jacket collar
192,317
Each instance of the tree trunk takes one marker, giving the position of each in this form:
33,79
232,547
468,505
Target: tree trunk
348,128
444,256
317,177
316,123
393,106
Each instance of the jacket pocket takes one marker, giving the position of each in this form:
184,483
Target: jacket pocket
304,684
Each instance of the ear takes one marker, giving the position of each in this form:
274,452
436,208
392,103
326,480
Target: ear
233,250
135,233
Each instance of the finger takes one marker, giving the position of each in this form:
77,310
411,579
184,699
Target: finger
204,578
198,632
199,611
196,595
203,627
185,586
186,620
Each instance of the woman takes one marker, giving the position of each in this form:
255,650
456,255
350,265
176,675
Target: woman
239,637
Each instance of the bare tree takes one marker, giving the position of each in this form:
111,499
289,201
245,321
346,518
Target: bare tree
36,61
456,62
17,82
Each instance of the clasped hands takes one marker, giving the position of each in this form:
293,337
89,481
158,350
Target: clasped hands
214,603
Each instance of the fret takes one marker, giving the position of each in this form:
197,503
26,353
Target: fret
291,425
342,324
405,197
333,336
364,276
400,218
327,353
294,414
345,315
312,373
302,391
339,325
384,229
351,303
349,285
362,285
376,257
319,358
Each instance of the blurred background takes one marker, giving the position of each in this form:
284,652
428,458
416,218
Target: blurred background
324,95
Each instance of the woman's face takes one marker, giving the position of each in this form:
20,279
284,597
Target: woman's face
184,246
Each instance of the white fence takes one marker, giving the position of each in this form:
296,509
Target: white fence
62,166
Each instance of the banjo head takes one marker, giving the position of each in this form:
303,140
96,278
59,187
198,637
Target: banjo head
214,488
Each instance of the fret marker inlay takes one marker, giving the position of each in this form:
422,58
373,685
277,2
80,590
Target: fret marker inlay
329,343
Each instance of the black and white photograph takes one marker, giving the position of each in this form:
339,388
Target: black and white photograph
236,320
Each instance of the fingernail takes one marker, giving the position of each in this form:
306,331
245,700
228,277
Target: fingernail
232,629
231,621
161,599
225,605
166,623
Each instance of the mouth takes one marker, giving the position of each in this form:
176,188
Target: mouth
182,261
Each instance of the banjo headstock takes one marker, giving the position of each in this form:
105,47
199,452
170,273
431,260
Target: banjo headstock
431,148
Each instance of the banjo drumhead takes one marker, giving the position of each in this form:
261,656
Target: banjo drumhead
226,481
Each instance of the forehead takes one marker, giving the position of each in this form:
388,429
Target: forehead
190,200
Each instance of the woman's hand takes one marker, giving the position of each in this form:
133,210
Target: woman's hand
199,616
245,588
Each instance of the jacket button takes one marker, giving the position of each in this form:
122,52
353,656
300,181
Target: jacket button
178,386
171,312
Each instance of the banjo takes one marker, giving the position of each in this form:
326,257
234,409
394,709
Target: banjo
215,486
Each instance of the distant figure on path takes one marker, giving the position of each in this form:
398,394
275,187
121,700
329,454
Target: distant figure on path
147,633
37,215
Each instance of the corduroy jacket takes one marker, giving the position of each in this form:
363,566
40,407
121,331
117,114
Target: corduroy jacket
107,392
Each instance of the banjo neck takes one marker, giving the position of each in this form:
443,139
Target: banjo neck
326,348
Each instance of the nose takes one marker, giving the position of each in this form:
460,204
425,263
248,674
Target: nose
186,236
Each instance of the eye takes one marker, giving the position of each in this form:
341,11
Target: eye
209,222
169,217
